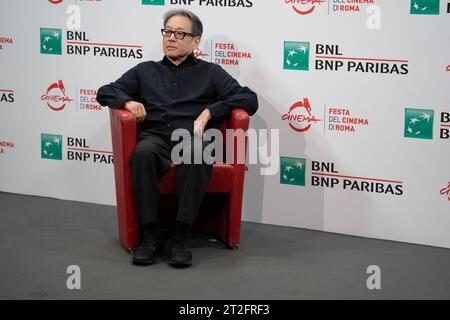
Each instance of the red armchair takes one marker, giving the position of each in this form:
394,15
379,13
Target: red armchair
226,179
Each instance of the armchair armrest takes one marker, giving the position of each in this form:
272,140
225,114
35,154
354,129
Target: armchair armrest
238,119
123,131
123,134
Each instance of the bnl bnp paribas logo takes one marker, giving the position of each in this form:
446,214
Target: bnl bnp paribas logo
292,171
296,55
78,43
419,123
326,175
51,41
77,149
51,146
424,7
153,2
206,3
330,57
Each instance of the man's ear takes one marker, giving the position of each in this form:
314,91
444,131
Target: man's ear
197,41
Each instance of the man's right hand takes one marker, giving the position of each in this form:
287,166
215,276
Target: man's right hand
137,109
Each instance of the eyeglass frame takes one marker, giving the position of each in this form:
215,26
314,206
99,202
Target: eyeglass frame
184,34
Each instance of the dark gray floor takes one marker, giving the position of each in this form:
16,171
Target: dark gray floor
41,237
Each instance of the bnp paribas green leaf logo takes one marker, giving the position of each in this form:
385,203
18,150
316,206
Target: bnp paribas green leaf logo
419,123
51,146
296,55
153,2
51,42
292,171
424,7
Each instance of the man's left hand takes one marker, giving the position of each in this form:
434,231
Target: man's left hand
201,121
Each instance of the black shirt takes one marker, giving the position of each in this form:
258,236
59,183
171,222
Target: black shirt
174,96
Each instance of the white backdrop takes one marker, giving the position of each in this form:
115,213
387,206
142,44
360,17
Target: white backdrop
400,140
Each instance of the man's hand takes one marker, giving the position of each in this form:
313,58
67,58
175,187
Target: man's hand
201,121
137,109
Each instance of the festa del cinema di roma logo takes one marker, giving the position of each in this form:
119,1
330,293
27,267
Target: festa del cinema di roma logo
299,116
56,97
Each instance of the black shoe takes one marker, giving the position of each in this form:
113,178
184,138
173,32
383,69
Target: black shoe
145,256
149,249
180,255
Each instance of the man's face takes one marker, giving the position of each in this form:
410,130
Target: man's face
178,49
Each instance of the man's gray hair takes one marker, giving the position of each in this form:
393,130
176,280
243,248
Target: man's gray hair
197,26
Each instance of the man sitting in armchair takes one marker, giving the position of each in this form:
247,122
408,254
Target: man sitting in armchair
178,92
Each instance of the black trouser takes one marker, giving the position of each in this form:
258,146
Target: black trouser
150,161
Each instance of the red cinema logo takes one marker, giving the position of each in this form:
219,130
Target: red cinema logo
304,7
199,53
56,96
446,191
300,116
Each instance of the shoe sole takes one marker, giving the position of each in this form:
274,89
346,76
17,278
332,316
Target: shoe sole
177,264
144,262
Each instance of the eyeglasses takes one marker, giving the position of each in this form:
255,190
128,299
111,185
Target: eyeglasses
166,33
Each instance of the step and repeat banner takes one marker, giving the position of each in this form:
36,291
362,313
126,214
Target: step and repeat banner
353,123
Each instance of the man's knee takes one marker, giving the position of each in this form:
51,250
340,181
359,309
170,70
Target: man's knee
146,153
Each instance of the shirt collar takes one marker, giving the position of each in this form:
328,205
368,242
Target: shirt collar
189,61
